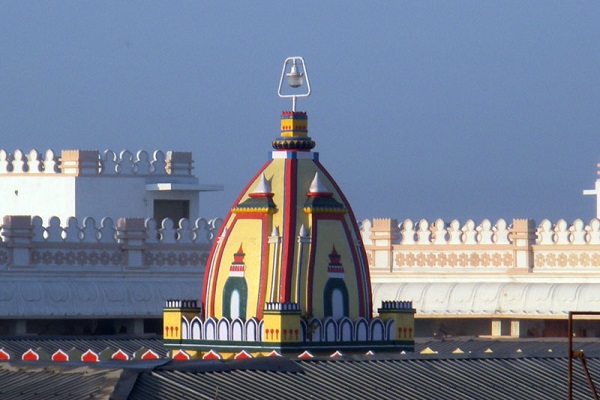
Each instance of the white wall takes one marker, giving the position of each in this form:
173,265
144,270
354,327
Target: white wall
43,195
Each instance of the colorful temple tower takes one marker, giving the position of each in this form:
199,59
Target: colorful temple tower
288,271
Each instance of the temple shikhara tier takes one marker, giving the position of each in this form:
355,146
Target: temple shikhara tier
288,271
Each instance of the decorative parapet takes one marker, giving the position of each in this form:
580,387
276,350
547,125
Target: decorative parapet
449,247
436,245
32,162
133,243
93,162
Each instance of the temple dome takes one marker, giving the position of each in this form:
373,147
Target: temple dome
300,239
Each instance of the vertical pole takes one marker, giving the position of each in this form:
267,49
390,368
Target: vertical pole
570,373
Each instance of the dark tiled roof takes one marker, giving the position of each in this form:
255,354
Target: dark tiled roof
39,381
411,378
505,373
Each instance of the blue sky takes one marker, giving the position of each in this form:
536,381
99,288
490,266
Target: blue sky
466,110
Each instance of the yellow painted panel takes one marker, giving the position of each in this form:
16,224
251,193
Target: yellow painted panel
330,233
247,233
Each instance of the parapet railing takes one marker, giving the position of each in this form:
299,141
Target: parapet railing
408,246
131,243
93,162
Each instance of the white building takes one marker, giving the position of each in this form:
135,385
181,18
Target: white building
86,183
81,251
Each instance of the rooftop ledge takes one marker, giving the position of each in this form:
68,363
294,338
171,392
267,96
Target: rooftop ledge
189,187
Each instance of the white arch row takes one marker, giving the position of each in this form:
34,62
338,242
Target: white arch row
251,330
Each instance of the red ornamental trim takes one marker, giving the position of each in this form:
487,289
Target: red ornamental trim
60,355
120,355
4,356
336,354
242,355
274,353
212,355
181,356
90,356
30,355
306,354
150,355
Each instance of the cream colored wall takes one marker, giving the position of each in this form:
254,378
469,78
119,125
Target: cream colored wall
478,270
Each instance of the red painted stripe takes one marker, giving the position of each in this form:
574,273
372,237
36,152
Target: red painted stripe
289,228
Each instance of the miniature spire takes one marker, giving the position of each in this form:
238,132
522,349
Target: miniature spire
317,186
264,186
275,232
302,232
